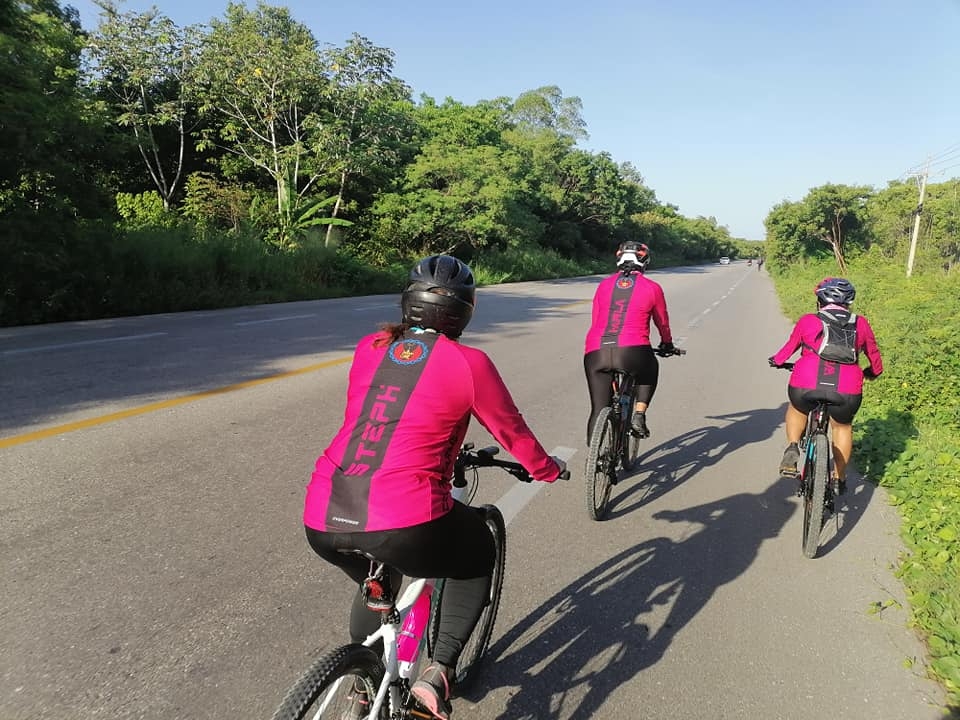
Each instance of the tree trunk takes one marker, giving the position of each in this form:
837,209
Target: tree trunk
336,207
836,241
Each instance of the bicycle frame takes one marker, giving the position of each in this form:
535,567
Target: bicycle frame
622,404
403,634
414,625
623,400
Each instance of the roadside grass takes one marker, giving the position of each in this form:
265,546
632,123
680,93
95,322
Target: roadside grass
907,432
144,270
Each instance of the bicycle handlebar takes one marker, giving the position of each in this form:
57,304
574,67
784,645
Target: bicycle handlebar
668,353
468,459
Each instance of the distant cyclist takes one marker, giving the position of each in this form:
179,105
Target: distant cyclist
383,484
839,380
619,335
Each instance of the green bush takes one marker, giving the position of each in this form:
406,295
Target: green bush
143,210
518,264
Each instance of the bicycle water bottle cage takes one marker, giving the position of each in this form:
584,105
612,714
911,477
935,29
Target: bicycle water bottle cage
376,590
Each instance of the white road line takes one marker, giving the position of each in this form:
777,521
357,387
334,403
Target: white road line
276,319
696,321
517,497
66,346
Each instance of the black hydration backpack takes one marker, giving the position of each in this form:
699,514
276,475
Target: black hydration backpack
838,340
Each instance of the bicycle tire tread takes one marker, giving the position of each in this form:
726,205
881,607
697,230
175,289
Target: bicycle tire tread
353,659
465,673
602,437
813,515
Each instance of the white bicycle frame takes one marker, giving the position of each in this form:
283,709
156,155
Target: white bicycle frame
391,632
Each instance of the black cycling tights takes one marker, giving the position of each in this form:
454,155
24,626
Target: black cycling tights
639,360
457,546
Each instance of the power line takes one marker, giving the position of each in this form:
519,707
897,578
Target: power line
946,155
946,158
943,171
949,149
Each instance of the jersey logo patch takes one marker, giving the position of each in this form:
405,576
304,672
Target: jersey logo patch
624,282
408,352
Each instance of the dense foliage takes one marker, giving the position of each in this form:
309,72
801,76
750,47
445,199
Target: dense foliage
149,167
908,429
845,221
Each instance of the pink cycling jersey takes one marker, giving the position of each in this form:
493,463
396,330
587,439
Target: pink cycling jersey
810,371
408,407
623,306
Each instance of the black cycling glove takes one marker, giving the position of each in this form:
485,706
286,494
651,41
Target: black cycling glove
666,348
869,374
772,363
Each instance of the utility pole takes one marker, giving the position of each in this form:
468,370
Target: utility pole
922,181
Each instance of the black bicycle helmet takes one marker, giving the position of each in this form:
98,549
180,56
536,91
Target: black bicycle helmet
439,295
633,253
835,291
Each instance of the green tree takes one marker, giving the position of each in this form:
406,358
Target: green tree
593,196
368,117
831,215
890,218
464,192
50,177
42,113
262,84
143,63
941,224
838,215
547,109
788,233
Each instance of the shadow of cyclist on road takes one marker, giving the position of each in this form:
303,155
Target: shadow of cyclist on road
674,461
602,630
881,441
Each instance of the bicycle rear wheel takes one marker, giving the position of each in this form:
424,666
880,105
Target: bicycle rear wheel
479,640
354,666
601,465
815,488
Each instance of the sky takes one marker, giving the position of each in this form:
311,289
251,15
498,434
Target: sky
726,108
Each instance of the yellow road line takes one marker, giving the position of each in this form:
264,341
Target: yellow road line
160,405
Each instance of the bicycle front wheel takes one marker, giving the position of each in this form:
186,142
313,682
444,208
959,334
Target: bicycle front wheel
479,640
815,488
601,466
329,689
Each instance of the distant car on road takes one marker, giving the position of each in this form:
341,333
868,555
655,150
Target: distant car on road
724,260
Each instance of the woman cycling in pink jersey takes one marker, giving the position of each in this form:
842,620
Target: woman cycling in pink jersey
383,484
814,378
619,334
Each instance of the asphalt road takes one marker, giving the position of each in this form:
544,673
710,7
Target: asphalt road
154,566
